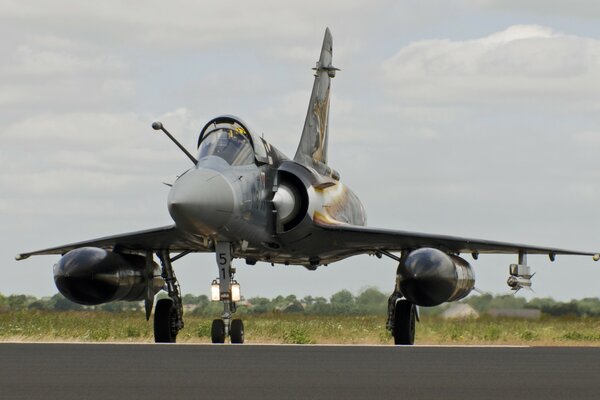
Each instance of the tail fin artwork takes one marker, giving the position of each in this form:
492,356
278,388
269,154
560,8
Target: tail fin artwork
312,150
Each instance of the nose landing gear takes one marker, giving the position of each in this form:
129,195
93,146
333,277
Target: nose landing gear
227,290
168,312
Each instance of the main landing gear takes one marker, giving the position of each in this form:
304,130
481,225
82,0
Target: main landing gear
226,290
168,313
402,319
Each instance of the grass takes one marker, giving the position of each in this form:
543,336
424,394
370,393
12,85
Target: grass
299,329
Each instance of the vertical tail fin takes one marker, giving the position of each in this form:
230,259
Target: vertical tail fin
312,149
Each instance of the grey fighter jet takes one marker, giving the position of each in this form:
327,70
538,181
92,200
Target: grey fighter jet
243,198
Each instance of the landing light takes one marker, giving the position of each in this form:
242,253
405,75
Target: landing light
215,293
236,294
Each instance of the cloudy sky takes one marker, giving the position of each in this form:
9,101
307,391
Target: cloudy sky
466,117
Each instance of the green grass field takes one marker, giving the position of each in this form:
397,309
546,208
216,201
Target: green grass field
301,329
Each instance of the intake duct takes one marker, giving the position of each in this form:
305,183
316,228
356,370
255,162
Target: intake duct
91,275
290,200
428,277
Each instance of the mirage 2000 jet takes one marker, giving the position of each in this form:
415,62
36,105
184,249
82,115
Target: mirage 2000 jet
245,199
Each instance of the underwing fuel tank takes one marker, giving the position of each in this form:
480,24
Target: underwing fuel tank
429,277
91,275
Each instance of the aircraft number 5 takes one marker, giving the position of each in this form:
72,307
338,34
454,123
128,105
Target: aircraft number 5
222,259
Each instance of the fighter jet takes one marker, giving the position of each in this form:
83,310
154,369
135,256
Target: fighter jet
244,199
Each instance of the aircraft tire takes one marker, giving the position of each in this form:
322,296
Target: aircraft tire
164,315
237,331
217,331
404,323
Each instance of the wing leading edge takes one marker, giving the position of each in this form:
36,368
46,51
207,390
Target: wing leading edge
167,237
356,239
365,239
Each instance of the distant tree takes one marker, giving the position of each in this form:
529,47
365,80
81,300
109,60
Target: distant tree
343,302
371,301
3,304
319,307
589,307
342,297
280,302
203,300
508,301
190,299
260,305
291,298
486,302
19,301
203,305
308,300
39,305
561,309
480,303
294,307
60,303
545,305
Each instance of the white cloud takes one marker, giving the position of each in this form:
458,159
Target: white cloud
573,8
185,24
42,62
91,154
522,64
75,129
589,139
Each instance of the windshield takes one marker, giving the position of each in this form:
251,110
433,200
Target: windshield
232,145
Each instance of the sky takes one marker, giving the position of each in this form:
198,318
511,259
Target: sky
477,118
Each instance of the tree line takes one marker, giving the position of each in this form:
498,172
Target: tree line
369,301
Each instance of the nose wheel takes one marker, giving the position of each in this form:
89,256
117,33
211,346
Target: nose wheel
227,290
237,331
217,331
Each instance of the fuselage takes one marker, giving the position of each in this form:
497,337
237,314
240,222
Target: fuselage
243,190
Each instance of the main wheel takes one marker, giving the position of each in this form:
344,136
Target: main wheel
217,331
237,331
404,322
165,318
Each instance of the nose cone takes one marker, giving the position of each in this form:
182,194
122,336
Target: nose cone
201,201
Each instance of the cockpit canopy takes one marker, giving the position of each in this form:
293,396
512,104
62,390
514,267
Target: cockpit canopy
228,138
232,145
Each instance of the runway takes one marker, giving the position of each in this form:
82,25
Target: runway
136,371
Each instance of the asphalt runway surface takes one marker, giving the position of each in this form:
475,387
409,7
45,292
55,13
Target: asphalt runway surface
139,371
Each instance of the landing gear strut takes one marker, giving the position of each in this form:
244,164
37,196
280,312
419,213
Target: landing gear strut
228,294
168,313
